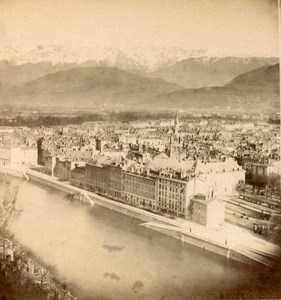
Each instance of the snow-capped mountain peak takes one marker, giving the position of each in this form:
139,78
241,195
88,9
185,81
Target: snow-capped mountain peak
142,59
146,59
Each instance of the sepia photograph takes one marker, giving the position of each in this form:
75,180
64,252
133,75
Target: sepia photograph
140,149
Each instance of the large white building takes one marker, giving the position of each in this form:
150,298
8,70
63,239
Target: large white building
218,179
18,156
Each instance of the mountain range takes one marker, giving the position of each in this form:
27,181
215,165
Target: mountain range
110,78
210,71
193,72
255,91
112,88
145,59
88,87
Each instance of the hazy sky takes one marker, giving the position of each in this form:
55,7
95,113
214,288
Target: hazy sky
237,26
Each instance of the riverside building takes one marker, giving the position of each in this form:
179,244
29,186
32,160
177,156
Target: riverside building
173,194
139,188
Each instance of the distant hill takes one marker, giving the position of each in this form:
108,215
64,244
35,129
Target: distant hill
84,87
112,88
210,71
262,81
193,72
257,90
12,74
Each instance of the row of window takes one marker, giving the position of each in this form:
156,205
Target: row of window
133,199
114,185
171,189
171,199
139,192
139,185
164,183
139,179
171,195
164,201
172,208
95,186
115,194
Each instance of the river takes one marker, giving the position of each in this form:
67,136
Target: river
106,255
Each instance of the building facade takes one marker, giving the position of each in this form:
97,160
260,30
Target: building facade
77,177
18,156
173,195
97,178
115,181
208,212
139,190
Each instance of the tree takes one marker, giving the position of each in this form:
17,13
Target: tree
8,210
8,204
275,182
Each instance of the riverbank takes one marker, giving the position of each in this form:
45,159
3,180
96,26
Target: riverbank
221,242
23,275
208,239
12,287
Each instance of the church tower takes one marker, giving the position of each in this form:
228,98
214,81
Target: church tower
175,142
177,125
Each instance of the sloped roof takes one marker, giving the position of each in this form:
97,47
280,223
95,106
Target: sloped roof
226,166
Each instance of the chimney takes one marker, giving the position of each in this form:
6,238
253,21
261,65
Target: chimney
183,174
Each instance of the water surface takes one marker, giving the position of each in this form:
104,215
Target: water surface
110,256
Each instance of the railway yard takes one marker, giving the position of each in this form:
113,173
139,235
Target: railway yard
259,215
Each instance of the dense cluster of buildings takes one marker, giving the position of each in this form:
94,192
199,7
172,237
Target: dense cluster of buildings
153,186
163,166
18,146
146,167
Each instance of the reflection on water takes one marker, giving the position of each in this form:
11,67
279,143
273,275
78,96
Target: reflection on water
111,255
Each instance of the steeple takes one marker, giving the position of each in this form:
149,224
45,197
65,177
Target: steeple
176,128
177,119
175,141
